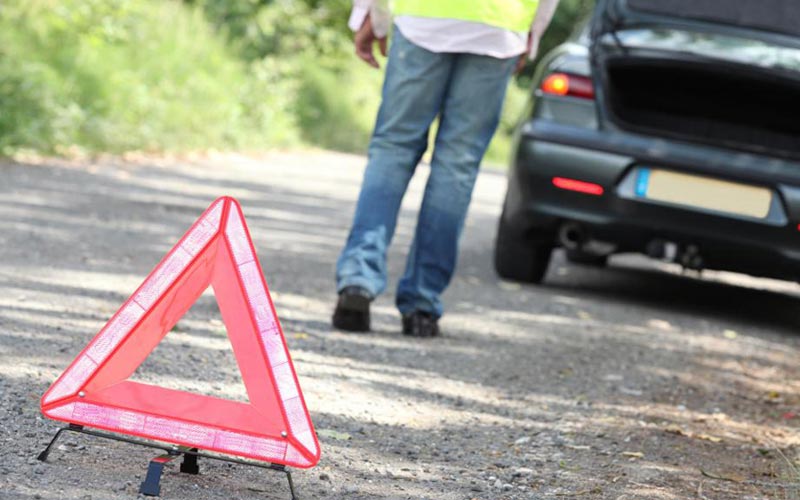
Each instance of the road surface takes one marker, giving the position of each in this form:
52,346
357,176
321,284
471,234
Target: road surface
631,382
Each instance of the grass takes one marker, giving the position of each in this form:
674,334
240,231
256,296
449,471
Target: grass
791,477
108,76
91,76
336,107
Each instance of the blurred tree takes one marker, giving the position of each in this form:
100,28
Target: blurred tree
264,27
259,28
569,17
104,75
311,43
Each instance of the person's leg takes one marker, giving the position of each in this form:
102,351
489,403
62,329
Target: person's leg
413,93
470,115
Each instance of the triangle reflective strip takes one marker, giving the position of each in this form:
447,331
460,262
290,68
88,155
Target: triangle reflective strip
95,391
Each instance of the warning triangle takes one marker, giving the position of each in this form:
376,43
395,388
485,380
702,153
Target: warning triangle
274,426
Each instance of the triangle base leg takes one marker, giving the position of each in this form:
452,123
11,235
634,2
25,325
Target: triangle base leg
291,483
151,486
189,464
42,457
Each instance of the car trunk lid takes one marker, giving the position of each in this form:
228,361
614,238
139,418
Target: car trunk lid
778,18
711,71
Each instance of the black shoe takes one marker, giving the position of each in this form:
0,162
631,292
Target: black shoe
352,310
420,324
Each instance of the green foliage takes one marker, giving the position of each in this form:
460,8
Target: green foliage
107,76
337,95
260,28
336,107
499,151
567,18
116,75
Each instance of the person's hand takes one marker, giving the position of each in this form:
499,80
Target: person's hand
531,51
526,56
365,39
521,62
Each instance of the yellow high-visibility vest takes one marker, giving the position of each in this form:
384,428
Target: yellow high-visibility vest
514,15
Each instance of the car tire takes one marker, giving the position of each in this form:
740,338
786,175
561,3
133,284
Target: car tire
523,258
586,259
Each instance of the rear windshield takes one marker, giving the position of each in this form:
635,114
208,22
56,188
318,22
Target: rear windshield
780,16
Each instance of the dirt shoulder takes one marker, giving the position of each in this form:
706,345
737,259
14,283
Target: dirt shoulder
631,382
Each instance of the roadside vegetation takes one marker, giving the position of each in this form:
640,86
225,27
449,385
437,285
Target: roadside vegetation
88,76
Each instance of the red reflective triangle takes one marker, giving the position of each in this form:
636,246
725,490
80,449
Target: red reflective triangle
95,391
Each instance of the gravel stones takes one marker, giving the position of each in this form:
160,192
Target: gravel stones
531,393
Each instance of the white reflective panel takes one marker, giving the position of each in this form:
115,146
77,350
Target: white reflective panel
271,449
113,333
175,430
214,214
164,275
284,379
307,440
203,231
61,412
195,240
266,448
112,418
72,380
296,414
293,456
257,296
273,345
237,237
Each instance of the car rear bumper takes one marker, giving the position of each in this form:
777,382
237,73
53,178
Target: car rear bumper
547,150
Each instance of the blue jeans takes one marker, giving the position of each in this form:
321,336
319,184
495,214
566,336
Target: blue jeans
467,92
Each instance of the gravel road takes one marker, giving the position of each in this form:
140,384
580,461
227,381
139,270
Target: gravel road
631,382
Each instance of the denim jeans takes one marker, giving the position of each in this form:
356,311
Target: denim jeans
466,91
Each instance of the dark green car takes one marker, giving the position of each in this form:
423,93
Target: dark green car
669,128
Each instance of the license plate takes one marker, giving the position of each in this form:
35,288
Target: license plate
703,193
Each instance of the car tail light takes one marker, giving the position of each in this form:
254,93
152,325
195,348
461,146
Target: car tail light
578,186
565,84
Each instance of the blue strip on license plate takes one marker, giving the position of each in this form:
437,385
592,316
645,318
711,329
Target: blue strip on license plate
642,182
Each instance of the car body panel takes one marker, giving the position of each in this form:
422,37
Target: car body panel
774,21
732,243
573,138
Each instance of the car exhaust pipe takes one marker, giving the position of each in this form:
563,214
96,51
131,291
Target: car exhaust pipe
692,259
572,236
662,250
688,256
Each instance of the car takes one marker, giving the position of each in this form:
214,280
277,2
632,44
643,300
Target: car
669,128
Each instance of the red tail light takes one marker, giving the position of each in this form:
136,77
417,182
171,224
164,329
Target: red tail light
568,85
578,186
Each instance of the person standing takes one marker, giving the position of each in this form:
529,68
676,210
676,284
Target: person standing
451,59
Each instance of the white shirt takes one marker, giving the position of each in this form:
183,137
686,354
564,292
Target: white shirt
453,35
